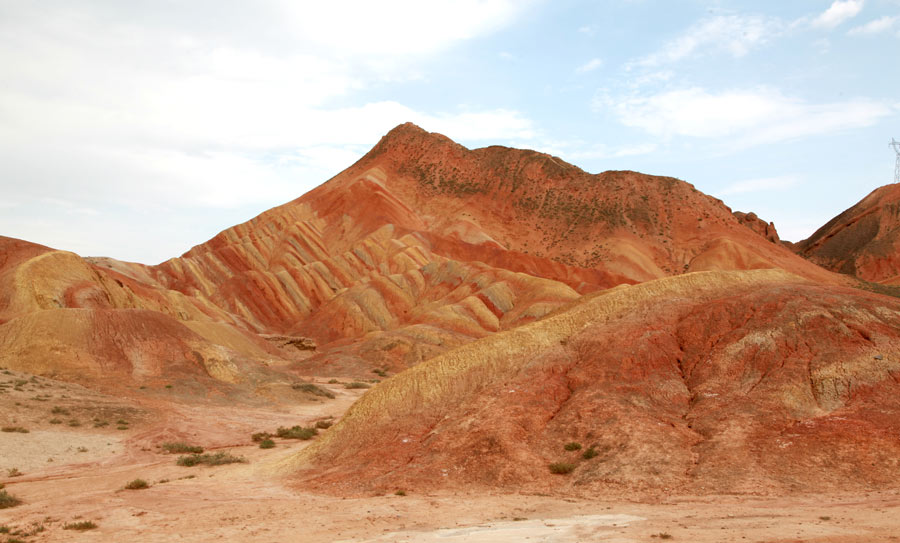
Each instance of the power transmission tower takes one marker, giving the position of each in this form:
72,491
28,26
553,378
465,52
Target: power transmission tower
896,145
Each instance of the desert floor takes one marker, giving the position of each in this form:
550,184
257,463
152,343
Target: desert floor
75,468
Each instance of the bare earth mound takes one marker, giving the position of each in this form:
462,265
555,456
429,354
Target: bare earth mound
751,382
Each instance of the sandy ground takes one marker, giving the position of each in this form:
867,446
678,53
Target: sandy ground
245,502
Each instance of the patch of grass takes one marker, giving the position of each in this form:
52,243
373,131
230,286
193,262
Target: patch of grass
14,472
400,493
137,484
121,428
589,453
4,529
315,390
266,444
260,436
55,421
296,432
379,372
122,422
333,381
57,410
80,526
357,384
82,449
16,429
561,468
7,500
572,446
216,459
324,424
181,448
74,423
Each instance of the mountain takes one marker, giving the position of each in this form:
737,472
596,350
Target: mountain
863,241
419,247
424,244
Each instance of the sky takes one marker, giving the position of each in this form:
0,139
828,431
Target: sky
139,129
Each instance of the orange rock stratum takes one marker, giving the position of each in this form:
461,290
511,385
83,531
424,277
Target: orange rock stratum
520,304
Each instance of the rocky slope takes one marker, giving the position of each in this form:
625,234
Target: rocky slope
863,241
742,382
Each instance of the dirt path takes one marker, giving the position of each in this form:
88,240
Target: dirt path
243,502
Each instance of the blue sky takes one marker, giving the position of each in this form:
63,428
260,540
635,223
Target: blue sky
139,129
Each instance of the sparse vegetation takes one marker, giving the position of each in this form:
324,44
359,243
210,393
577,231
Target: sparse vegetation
100,423
333,381
7,500
572,446
266,444
55,421
562,468
13,472
57,410
324,424
315,390
181,448
400,493
137,484
589,453
216,459
80,525
74,423
296,432
15,429
380,372
825,517
357,384
260,436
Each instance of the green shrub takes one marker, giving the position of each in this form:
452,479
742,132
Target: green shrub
357,384
324,424
315,390
333,381
266,444
562,468
260,436
80,526
572,446
7,500
216,459
181,448
400,493
589,453
137,484
296,432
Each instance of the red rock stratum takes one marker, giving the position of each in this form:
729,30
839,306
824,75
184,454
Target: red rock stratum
744,382
863,241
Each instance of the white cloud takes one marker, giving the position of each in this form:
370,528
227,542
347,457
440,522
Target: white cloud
875,27
782,182
748,117
590,66
213,106
736,35
838,12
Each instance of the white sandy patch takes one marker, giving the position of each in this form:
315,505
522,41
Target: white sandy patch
49,448
559,530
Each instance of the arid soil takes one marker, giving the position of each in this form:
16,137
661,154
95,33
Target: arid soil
253,502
